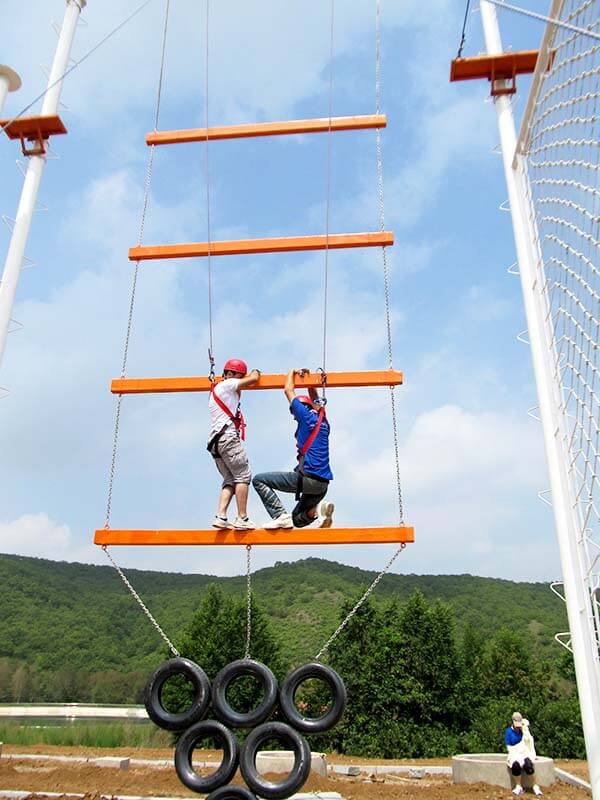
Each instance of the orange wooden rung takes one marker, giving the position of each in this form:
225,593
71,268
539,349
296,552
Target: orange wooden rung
33,129
268,129
302,536
505,66
388,377
284,244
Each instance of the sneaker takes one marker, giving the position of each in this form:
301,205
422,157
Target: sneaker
282,521
243,524
518,789
221,522
326,514
537,791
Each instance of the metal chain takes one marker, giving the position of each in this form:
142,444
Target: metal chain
147,184
386,277
248,602
349,616
123,577
328,190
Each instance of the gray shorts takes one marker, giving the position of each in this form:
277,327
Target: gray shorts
232,461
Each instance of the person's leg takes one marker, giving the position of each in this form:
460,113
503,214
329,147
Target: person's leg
234,457
225,500
306,510
241,498
265,482
516,771
528,767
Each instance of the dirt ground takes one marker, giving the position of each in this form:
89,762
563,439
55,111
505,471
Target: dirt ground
48,776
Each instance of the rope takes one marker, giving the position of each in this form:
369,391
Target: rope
328,191
113,463
248,602
386,277
206,167
77,63
544,18
464,30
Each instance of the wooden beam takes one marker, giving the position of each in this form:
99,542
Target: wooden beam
495,67
322,125
388,377
302,536
284,244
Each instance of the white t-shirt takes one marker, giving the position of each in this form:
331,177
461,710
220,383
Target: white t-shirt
227,392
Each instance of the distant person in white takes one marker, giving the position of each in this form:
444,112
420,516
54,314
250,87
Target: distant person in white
521,752
225,442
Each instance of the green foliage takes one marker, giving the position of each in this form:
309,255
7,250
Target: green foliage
86,735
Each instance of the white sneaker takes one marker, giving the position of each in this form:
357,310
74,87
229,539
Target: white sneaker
326,514
282,521
518,789
537,791
221,522
243,524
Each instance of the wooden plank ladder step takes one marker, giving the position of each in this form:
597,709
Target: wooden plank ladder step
33,129
501,67
302,536
250,130
284,244
388,377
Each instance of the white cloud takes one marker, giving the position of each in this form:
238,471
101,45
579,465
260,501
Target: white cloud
35,535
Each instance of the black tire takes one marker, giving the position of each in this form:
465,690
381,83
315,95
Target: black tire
153,694
185,748
300,771
221,683
288,693
231,793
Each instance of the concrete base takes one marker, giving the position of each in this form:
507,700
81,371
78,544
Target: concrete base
283,761
492,768
113,762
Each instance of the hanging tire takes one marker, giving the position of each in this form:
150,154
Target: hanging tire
223,680
153,694
185,749
293,741
288,693
231,793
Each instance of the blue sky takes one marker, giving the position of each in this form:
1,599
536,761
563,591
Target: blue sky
472,460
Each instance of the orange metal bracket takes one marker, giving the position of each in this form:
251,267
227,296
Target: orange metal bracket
33,129
302,536
388,377
502,67
268,129
284,244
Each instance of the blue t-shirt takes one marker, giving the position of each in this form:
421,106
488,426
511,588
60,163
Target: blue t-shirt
316,460
512,736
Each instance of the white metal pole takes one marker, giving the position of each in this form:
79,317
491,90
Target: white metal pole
33,176
549,396
9,82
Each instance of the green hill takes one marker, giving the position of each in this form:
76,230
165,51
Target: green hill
57,613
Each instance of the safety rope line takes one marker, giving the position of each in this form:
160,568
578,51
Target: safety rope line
463,35
386,276
76,64
349,616
112,471
328,193
123,577
207,177
389,564
544,18
248,602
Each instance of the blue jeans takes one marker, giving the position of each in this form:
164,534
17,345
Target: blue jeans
313,491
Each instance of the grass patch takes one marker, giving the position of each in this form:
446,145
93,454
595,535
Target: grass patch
86,734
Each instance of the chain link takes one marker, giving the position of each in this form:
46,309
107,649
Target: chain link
123,577
386,276
349,616
248,602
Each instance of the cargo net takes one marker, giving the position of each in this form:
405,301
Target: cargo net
562,155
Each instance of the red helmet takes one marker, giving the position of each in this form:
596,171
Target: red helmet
236,365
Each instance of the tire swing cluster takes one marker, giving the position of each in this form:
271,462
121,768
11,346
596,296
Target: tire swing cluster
196,727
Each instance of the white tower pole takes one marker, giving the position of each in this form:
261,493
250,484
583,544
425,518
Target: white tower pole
9,82
33,176
579,609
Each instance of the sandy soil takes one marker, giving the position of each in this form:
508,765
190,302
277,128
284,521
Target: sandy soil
40,776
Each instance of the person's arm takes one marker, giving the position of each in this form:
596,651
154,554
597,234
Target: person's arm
288,388
250,380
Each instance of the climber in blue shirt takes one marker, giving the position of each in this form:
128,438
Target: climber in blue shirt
309,480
